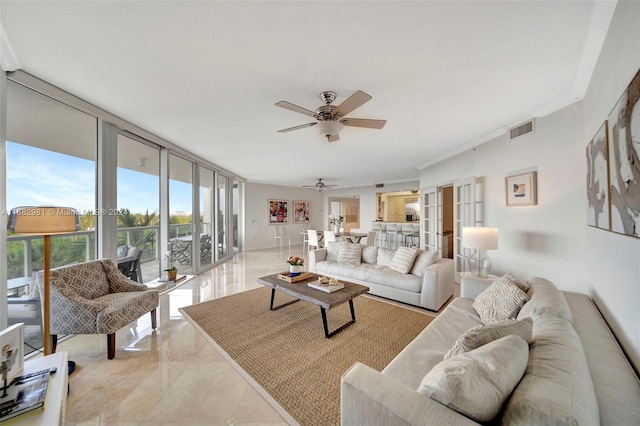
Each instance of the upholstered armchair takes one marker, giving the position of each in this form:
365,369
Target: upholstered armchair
96,298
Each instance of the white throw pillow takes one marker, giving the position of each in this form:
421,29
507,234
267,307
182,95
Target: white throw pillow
349,253
483,334
332,251
403,259
477,383
370,255
424,259
385,256
500,301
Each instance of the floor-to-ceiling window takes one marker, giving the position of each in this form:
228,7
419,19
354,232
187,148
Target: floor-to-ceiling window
222,204
181,240
207,217
51,160
138,178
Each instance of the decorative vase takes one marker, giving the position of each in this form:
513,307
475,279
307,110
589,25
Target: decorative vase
295,270
172,274
336,229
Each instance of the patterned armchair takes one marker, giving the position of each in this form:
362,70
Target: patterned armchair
96,298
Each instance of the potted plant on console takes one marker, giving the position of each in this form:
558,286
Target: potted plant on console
172,271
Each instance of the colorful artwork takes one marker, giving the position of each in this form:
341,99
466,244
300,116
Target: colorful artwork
278,212
598,180
301,211
624,161
521,189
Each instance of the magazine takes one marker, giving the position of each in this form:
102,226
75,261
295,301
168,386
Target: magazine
23,395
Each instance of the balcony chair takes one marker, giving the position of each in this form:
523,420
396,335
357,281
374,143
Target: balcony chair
129,265
26,309
205,249
95,298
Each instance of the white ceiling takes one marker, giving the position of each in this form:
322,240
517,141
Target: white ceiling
205,75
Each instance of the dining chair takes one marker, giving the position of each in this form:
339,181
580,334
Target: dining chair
371,238
312,236
305,239
329,236
278,234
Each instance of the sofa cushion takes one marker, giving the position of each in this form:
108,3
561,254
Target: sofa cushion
385,256
543,294
477,383
500,301
483,334
332,251
403,259
370,255
557,386
349,253
423,260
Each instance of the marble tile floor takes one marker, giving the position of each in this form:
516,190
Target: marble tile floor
171,376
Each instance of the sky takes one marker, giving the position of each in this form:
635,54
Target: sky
37,177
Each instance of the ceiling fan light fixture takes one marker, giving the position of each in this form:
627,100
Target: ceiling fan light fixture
329,128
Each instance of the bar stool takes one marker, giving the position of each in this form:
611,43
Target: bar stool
391,229
377,228
407,233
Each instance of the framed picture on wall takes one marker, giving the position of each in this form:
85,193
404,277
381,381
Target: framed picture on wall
278,212
598,180
624,161
521,189
351,214
301,211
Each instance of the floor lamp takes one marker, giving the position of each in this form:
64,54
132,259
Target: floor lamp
480,239
45,221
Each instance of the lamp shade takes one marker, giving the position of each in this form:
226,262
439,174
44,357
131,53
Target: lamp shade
43,220
329,128
477,237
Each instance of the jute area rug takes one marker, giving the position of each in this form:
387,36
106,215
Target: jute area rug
286,354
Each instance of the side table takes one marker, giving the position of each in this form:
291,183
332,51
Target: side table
471,286
56,402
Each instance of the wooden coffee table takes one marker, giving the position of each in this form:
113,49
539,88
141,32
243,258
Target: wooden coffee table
326,301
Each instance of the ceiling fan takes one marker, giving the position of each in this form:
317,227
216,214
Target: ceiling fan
320,185
331,118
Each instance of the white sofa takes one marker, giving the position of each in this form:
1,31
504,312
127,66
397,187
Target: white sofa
428,284
576,372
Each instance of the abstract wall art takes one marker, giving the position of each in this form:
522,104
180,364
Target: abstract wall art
278,212
598,180
624,161
301,211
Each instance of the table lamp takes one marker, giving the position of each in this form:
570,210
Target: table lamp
45,221
480,239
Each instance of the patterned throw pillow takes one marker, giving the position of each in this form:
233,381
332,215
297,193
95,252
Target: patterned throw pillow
349,253
483,334
403,259
502,300
477,383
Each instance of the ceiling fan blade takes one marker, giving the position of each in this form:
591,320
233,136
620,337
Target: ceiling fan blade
364,122
351,103
296,108
333,139
302,126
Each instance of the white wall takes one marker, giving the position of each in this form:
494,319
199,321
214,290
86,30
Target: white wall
258,232
552,240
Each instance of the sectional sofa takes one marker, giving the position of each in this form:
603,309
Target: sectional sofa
408,275
556,362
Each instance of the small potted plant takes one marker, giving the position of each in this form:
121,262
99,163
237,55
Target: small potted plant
172,271
296,265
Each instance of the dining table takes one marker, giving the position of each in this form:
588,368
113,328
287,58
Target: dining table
353,237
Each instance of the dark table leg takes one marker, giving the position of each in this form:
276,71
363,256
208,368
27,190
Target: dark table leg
334,332
273,296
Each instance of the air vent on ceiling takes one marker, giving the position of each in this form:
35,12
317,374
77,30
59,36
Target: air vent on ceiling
379,185
522,129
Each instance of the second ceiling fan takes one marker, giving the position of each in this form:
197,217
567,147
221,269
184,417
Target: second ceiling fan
331,118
